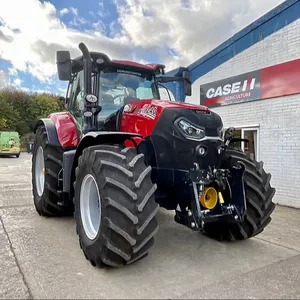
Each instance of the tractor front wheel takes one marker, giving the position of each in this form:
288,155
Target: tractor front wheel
259,205
115,207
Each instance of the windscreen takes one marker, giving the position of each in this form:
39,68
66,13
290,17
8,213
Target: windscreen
118,87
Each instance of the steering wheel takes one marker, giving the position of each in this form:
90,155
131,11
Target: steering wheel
120,95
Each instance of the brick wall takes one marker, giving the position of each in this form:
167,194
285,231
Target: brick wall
278,119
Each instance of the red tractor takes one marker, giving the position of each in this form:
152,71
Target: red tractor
119,153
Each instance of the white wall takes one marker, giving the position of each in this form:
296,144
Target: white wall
279,119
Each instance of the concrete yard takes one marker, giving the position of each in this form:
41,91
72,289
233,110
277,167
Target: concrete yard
41,258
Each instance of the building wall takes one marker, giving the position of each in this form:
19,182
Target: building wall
279,119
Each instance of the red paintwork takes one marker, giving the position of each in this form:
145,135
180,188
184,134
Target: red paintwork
275,81
135,122
132,121
66,128
152,67
280,80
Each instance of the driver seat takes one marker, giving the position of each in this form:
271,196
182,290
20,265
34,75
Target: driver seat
127,100
107,99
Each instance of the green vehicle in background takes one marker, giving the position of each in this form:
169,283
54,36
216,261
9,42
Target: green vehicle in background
10,143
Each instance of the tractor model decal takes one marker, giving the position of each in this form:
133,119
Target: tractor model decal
148,111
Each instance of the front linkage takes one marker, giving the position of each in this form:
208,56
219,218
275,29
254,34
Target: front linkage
231,179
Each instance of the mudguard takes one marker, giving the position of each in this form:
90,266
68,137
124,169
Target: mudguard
98,138
50,129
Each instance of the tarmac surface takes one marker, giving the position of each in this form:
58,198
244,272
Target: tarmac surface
40,258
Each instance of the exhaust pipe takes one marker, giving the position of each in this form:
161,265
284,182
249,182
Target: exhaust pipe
87,68
88,116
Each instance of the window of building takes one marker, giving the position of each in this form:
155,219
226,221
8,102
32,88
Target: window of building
252,134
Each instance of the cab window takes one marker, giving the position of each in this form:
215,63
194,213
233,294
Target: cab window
76,105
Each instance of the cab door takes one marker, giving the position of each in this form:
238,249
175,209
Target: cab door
76,99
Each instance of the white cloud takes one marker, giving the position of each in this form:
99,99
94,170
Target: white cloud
3,79
78,21
102,12
74,11
99,26
143,27
71,9
12,72
17,82
34,47
42,91
63,11
192,29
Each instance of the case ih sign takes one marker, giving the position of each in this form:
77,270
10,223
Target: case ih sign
271,82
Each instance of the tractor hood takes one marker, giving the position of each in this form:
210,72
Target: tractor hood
144,116
167,104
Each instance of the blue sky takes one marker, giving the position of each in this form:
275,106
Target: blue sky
173,32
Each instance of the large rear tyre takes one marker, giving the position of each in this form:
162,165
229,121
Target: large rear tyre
46,164
115,207
259,195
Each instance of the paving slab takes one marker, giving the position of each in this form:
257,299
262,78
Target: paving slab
275,281
12,284
181,261
15,180
285,228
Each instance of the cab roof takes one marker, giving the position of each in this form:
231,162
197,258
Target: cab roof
77,64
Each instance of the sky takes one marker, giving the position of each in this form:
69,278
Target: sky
172,32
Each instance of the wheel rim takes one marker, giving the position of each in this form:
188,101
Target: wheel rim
90,206
40,171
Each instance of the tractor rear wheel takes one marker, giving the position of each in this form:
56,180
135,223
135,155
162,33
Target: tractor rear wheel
259,195
115,207
46,164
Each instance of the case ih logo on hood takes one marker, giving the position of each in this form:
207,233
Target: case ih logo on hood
236,89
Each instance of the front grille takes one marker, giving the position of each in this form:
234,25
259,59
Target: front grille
211,157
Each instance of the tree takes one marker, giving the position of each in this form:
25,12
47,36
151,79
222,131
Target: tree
19,110
9,117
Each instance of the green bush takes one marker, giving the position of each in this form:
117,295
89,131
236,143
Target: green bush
19,110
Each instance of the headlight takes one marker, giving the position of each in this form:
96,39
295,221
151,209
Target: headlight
190,131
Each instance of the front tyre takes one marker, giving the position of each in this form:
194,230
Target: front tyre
115,207
259,195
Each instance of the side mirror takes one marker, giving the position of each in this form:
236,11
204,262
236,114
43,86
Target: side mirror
63,100
64,65
187,83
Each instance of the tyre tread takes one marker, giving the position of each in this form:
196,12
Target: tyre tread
259,195
129,224
47,204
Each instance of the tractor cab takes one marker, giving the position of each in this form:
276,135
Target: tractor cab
99,87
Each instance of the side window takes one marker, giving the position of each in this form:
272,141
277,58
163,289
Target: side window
77,97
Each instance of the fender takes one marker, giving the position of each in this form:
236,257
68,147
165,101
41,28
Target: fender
61,129
68,132
50,129
93,139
